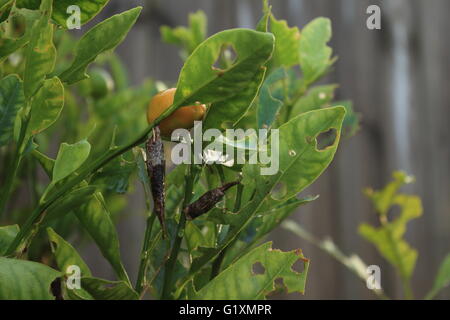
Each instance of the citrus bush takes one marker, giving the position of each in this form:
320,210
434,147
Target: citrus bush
214,218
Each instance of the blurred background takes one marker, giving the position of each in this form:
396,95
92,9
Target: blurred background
399,81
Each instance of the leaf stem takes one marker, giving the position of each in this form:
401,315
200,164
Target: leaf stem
406,283
145,253
14,167
168,273
218,261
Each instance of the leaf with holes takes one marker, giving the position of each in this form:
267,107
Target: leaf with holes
315,54
388,238
300,160
66,256
103,37
25,280
41,52
10,45
239,281
101,289
300,164
230,91
11,101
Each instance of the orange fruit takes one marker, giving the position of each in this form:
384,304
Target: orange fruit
183,117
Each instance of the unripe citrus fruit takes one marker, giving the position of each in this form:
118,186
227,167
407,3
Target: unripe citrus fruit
183,117
101,83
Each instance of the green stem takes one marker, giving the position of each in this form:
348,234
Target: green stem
239,192
145,253
14,167
9,181
217,264
168,273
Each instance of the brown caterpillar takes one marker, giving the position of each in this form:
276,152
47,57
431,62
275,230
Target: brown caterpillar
156,169
207,201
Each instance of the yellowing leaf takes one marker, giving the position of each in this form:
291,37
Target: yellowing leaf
40,53
388,238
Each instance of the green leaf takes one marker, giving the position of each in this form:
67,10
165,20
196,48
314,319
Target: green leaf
277,212
73,200
286,52
103,37
5,9
108,290
263,24
4,3
46,106
442,278
268,106
352,119
239,280
316,98
88,9
231,90
187,38
11,100
66,256
7,235
28,4
41,52
96,219
70,158
388,238
46,162
300,164
315,55
196,238
25,280
115,176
